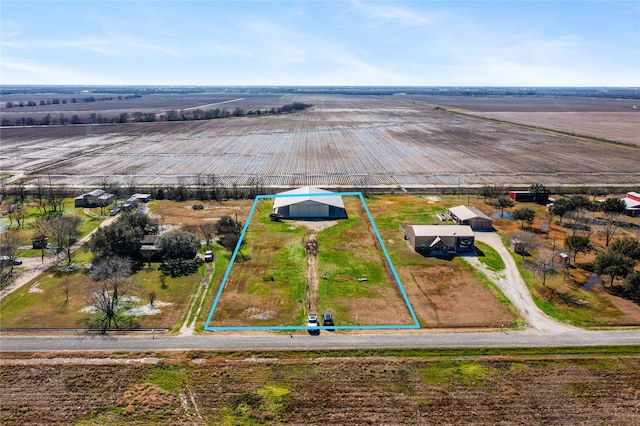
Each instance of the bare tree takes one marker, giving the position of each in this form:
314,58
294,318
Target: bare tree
152,297
207,230
113,284
609,227
65,289
62,232
543,264
55,198
201,188
524,241
212,182
577,219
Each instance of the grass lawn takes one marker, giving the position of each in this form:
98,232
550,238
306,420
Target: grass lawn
42,303
356,283
489,257
269,283
567,298
267,279
33,214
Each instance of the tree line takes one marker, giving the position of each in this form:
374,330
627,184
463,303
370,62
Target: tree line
146,117
58,101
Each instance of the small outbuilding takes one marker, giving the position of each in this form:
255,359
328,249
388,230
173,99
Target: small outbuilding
564,260
440,239
309,203
95,198
39,241
142,198
469,215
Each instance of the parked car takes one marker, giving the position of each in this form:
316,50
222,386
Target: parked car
327,320
312,323
6,261
208,256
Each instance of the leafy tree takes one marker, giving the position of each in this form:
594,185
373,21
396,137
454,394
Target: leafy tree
524,214
627,246
613,205
561,207
228,230
614,264
539,192
577,244
178,245
112,275
582,202
502,202
632,286
123,237
486,191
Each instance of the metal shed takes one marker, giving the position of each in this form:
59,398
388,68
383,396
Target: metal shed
309,202
469,215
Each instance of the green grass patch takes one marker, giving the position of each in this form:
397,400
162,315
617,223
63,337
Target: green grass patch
490,257
465,372
170,378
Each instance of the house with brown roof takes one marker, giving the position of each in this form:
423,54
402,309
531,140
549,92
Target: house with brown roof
440,239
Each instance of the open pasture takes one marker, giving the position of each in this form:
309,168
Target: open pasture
355,141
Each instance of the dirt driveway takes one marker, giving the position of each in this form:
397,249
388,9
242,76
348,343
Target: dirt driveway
510,282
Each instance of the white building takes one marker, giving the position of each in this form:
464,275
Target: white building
309,202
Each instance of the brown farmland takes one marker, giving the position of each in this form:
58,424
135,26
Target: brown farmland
605,118
355,141
201,388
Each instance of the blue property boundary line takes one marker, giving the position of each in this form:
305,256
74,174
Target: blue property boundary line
415,324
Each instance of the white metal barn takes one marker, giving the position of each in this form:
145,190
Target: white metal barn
309,202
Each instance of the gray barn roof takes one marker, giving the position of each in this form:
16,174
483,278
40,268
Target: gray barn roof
308,193
467,212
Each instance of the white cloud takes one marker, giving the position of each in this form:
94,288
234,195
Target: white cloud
91,44
227,49
9,29
21,71
392,13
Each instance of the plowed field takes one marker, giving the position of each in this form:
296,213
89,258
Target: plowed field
354,141
560,390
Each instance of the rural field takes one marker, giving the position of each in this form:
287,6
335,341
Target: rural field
318,388
343,140
615,120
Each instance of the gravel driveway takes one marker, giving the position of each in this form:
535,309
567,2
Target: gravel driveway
510,282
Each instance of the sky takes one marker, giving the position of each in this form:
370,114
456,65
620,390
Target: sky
321,43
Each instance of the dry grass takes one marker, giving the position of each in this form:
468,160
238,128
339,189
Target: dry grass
511,389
